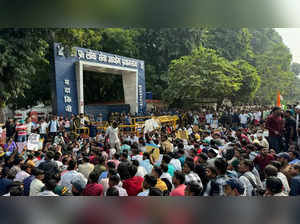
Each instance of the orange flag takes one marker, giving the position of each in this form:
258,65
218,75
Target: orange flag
278,99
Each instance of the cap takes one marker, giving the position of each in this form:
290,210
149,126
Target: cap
283,155
78,184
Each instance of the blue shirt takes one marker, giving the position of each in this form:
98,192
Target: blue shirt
4,185
295,186
147,165
27,183
103,175
294,161
125,146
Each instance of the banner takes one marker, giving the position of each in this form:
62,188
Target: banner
34,143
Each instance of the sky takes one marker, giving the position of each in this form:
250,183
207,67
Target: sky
291,38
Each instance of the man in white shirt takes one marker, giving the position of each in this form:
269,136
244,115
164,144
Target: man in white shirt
262,140
86,168
37,185
244,119
23,173
176,163
208,118
43,128
112,133
115,181
248,179
53,126
49,188
71,175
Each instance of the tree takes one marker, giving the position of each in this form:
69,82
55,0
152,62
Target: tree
295,67
274,69
201,75
20,50
231,43
250,82
158,47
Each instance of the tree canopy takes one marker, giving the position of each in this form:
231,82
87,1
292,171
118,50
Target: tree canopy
244,65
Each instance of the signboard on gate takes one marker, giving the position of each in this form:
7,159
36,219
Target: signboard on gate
66,95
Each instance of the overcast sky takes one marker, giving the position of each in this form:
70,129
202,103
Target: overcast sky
291,37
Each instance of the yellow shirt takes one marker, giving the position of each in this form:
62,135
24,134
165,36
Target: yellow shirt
161,185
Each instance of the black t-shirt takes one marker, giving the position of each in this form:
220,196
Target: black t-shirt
290,125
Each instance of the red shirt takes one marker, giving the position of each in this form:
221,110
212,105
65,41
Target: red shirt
274,123
178,191
93,190
262,162
21,129
244,137
133,185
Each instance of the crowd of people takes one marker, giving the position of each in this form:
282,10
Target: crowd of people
230,152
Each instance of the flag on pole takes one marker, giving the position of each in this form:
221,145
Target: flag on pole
278,99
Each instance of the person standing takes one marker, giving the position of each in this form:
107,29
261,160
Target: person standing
53,127
112,133
21,129
290,129
244,119
43,129
275,124
295,180
10,128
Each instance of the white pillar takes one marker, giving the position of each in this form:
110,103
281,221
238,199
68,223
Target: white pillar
130,85
79,80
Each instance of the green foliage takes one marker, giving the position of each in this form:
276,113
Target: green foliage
21,50
231,43
250,82
202,74
244,65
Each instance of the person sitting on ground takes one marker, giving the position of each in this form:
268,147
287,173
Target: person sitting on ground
234,187
77,186
115,181
149,181
50,185
153,191
165,173
133,185
86,168
274,187
93,188
192,189
112,191
294,157
16,189
166,160
49,166
24,173
190,175
157,172
71,175
178,182
141,170
37,184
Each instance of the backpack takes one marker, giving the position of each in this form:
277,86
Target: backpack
256,189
